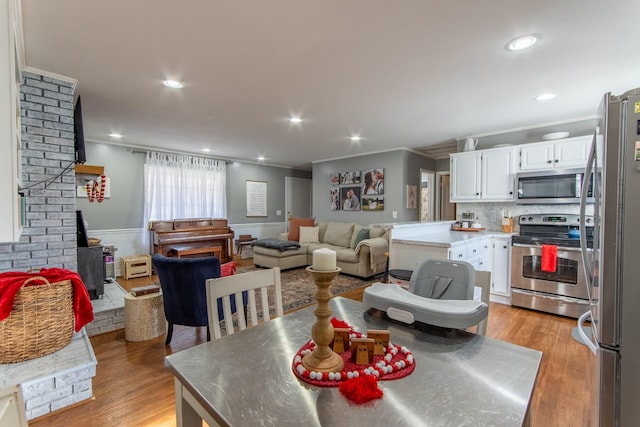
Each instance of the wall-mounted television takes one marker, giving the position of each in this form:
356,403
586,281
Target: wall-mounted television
81,155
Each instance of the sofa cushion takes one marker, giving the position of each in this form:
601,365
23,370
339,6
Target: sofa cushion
376,232
322,228
339,234
296,223
309,234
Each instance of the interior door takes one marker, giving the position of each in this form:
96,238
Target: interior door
298,198
445,210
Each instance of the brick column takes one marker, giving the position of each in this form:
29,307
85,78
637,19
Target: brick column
48,177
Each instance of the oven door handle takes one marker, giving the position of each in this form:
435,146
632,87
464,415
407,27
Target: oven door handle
560,248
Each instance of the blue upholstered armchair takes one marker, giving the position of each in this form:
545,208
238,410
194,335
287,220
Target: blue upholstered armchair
183,290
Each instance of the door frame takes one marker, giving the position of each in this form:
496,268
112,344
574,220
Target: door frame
292,194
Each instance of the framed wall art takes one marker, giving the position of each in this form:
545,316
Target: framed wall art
350,198
373,182
256,198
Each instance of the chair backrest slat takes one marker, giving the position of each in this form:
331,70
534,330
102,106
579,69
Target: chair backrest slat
237,285
265,304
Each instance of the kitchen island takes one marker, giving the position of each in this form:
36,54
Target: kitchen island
412,243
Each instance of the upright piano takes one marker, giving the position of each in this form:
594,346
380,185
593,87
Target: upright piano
192,233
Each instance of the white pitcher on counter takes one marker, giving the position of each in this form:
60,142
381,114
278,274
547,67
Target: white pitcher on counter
470,144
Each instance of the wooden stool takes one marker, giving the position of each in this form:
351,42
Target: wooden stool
143,317
244,240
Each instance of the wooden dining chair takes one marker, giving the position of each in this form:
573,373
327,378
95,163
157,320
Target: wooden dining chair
230,289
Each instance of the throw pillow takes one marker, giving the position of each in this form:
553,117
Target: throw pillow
309,234
362,234
227,269
356,230
339,234
296,223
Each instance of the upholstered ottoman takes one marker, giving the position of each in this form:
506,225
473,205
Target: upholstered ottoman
269,257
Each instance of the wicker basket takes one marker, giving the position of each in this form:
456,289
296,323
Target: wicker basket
40,323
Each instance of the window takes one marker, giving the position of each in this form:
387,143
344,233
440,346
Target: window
180,186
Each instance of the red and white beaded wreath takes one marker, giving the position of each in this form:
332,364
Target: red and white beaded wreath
95,189
397,362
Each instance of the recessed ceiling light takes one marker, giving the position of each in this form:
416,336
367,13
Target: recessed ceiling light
173,84
206,150
545,96
356,138
295,120
115,135
522,42
261,159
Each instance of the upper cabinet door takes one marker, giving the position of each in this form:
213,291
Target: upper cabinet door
561,154
572,153
536,156
465,176
498,181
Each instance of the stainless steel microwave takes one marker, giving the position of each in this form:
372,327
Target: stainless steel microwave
552,187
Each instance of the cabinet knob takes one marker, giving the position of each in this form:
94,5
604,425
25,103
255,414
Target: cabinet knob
556,160
549,161
511,192
504,247
477,194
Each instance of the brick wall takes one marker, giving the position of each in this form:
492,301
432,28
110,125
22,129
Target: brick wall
48,177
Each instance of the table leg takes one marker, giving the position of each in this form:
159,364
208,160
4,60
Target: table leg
186,416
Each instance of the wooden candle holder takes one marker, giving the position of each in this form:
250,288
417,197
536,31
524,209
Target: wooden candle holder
322,358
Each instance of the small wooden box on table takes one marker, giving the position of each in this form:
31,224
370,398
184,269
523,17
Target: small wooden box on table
135,266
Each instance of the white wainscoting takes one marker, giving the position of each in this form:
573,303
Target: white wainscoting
135,241
127,241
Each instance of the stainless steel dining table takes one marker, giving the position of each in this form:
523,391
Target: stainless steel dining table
460,379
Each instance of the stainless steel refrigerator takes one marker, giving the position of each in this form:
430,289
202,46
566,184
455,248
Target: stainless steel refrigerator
613,266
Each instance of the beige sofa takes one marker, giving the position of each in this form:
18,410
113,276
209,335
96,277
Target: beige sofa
362,258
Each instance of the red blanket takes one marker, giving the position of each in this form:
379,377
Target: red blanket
12,282
549,258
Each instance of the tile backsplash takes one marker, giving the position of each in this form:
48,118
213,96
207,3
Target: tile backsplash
489,214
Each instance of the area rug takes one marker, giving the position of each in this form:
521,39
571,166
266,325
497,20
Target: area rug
298,287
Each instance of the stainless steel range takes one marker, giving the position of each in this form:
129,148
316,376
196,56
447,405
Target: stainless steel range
562,291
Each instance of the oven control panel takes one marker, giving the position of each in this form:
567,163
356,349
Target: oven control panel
553,219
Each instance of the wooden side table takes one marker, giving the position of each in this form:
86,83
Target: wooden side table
143,317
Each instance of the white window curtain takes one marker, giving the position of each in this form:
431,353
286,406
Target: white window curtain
179,186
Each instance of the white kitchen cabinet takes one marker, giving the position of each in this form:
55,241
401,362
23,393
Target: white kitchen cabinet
10,151
561,154
466,176
498,178
486,175
501,265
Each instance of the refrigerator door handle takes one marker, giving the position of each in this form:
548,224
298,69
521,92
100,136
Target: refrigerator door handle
586,261
586,340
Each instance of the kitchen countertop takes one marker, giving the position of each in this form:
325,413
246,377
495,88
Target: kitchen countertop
448,239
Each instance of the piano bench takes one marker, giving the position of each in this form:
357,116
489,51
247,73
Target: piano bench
183,251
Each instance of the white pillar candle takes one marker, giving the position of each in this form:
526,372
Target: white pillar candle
324,260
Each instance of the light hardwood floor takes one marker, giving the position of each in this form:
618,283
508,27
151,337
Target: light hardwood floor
133,388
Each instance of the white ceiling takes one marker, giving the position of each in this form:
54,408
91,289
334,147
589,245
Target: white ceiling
409,73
